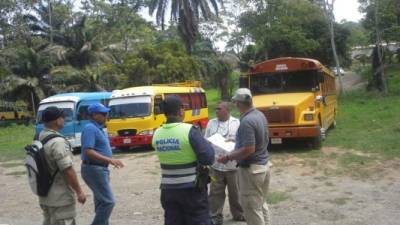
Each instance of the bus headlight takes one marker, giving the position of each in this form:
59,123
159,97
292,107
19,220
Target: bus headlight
146,132
308,117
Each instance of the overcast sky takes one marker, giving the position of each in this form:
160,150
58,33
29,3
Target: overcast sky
347,9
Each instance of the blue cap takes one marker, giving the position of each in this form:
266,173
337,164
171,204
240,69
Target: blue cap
97,108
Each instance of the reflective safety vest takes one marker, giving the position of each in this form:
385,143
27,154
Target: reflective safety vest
177,157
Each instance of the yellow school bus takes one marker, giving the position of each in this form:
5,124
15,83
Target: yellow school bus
136,112
297,96
12,111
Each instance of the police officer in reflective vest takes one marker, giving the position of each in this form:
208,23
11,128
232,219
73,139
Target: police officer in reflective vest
182,151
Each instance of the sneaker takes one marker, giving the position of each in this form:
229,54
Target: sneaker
217,220
239,218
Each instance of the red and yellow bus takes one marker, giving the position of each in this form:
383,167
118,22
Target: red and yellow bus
136,112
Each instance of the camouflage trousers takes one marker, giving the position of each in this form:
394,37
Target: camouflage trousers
63,215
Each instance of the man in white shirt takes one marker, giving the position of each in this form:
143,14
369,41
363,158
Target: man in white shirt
224,175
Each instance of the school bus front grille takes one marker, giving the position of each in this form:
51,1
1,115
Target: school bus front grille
279,114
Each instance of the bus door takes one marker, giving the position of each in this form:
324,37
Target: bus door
159,117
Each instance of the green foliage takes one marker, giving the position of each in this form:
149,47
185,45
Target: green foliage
388,19
186,14
369,121
281,29
160,63
358,34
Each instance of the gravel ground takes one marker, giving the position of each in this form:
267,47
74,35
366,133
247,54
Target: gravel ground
306,194
311,197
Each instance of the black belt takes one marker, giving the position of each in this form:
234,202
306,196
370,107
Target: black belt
94,163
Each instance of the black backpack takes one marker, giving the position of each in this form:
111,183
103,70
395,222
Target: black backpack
39,177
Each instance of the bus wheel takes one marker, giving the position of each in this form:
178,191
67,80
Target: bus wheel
2,118
333,125
316,142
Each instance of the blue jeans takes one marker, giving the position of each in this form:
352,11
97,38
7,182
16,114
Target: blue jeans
98,180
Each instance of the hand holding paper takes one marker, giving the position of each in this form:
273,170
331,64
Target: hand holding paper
221,142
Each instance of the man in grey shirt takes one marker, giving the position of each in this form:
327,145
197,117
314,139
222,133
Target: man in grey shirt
252,156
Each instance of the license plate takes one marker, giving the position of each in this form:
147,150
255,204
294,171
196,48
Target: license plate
276,141
127,141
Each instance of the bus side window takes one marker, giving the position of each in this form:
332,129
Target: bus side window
186,101
158,109
203,100
195,100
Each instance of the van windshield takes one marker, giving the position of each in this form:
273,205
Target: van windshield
67,107
289,82
130,107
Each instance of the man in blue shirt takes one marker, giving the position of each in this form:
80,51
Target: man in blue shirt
96,155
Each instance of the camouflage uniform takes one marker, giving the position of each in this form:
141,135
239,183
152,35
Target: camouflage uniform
59,205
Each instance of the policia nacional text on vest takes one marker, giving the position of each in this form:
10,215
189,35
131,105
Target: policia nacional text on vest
177,157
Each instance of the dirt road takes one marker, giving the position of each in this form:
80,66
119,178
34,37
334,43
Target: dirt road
350,81
302,194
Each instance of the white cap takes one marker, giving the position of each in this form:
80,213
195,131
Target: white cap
242,95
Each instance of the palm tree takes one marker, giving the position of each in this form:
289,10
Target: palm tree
78,47
186,14
70,79
26,78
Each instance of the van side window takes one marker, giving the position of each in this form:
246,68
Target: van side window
105,102
158,109
83,113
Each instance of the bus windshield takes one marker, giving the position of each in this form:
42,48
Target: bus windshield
130,107
289,82
67,107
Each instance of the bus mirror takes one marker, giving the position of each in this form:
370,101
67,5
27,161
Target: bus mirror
319,98
243,82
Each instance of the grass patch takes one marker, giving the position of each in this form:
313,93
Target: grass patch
329,184
11,164
339,201
349,160
13,140
213,97
16,173
277,197
369,121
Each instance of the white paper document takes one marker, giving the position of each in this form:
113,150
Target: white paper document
221,142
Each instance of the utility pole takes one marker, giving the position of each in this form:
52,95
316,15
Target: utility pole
328,7
380,73
50,21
